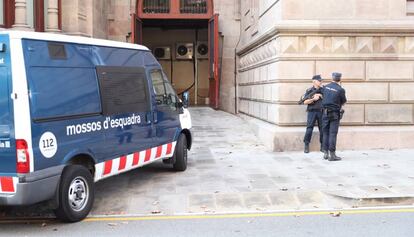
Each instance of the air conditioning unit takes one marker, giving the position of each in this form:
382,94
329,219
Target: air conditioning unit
184,51
162,53
202,49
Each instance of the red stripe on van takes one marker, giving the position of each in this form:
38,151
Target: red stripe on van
147,155
7,184
122,163
169,148
136,159
159,151
108,167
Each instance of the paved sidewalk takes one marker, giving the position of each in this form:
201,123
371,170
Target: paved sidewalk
229,170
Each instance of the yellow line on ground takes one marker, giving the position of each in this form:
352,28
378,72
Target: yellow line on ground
249,215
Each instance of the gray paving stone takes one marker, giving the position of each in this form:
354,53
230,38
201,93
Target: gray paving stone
256,200
286,200
229,201
201,201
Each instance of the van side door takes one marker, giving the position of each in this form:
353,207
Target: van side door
126,103
166,114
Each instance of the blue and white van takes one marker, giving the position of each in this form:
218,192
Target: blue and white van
76,110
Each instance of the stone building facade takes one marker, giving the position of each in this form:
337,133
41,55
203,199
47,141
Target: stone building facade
285,42
269,50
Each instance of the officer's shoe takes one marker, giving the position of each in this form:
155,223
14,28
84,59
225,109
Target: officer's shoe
333,157
306,148
325,155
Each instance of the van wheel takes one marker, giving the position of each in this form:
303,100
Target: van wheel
76,194
180,155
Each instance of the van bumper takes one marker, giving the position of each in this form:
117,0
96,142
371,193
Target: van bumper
34,187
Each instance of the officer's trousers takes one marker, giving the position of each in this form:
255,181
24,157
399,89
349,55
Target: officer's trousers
330,126
313,116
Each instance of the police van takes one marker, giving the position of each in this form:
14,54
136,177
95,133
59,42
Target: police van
76,110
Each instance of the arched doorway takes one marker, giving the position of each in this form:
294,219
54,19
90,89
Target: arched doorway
183,35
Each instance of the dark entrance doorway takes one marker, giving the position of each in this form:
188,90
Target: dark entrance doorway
183,35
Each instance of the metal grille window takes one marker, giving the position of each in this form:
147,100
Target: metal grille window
193,6
156,6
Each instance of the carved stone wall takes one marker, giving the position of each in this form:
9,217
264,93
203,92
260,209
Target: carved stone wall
378,72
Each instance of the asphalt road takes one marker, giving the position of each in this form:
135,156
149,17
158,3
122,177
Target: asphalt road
367,223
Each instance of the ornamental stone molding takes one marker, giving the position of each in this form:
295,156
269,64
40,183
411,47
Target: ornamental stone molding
282,47
409,44
314,44
340,44
290,45
364,45
389,45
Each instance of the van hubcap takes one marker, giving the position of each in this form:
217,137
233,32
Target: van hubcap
78,194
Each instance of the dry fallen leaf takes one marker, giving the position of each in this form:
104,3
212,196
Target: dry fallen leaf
336,214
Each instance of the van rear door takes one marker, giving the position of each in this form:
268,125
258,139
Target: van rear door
7,141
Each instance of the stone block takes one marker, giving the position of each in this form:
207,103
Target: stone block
291,92
354,70
386,70
389,113
267,92
263,111
263,73
256,75
275,92
256,109
357,92
272,113
244,106
250,77
272,71
366,9
401,92
354,114
292,114
295,70
260,92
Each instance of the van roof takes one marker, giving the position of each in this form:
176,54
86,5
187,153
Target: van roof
70,39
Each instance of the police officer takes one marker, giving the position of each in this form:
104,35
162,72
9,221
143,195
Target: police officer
314,110
333,100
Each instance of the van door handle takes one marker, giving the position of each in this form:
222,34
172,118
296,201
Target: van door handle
148,117
155,117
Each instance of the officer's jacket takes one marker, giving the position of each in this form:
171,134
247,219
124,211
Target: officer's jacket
317,105
333,96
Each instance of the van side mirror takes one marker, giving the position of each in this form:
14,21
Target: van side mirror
186,99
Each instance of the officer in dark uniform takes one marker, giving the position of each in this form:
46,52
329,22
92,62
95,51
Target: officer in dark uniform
314,110
333,100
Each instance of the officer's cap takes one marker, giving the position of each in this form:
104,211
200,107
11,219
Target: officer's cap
336,76
317,77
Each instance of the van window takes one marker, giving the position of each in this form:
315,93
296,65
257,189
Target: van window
164,93
123,89
60,92
158,84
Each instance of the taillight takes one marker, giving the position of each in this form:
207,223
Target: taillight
22,156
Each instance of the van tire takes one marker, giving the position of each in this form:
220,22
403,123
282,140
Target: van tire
180,154
80,178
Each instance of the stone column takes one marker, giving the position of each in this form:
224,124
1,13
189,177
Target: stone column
20,20
52,16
